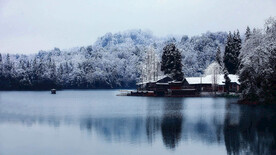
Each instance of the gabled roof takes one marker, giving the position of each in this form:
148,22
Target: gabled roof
152,81
165,79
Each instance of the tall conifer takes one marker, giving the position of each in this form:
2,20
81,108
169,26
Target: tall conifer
171,62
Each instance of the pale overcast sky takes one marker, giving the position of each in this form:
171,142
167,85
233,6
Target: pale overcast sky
27,26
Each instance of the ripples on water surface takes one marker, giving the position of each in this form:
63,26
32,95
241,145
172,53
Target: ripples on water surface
99,122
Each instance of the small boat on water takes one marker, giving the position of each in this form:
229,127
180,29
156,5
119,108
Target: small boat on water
53,91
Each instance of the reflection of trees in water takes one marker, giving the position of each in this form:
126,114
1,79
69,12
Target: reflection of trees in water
116,128
53,121
153,120
218,120
169,122
171,130
218,129
153,124
244,129
204,121
253,132
171,125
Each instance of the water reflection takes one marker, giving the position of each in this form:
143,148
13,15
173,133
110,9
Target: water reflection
116,129
253,131
171,125
218,122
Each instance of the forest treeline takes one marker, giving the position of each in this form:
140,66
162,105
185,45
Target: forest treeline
111,62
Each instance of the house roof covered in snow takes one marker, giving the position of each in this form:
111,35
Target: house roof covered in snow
161,80
209,79
153,81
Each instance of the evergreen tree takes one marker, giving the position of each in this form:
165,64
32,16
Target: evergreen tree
53,72
60,72
34,69
29,72
66,68
8,66
171,62
247,33
1,65
271,85
184,39
228,54
40,70
218,57
232,52
34,73
1,72
227,81
23,75
237,48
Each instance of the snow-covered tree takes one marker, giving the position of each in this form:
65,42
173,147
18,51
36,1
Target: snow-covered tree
171,62
200,51
218,57
1,65
257,73
8,65
232,52
214,69
150,66
247,33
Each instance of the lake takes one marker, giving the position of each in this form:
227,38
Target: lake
98,122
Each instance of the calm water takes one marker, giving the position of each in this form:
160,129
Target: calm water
99,122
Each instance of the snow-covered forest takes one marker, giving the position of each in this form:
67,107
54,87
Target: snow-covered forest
113,61
257,69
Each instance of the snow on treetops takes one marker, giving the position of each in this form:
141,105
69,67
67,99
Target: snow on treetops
111,62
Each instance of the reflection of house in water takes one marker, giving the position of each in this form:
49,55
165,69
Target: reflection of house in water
190,86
